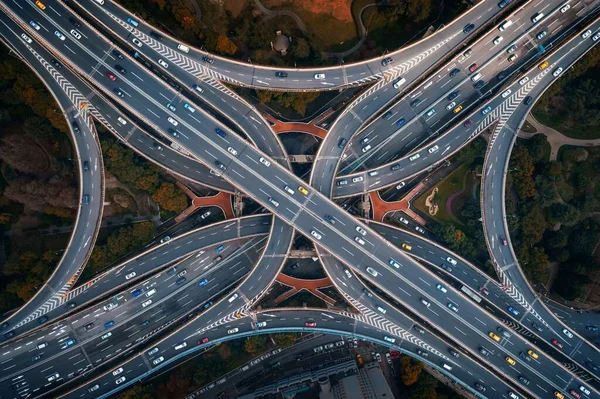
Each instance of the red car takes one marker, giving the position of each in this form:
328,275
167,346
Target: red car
503,240
111,76
394,353
203,341
484,290
310,324
473,67
575,393
468,123
556,343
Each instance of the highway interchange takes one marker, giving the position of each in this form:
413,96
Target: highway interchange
310,213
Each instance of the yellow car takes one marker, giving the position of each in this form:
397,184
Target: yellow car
458,109
495,337
544,65
406,246
510,360
40,4
303,190
532,354
559,395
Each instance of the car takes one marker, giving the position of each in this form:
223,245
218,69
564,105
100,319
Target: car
451,105
387,116
502,240
264,161
537,327
565,8
158,360
107,335
394,263
359,240
205,215
357,179
433,149
189,107
342,182
180,345
232,151
431,112
117,371
511,49
528,100
109,324
513,310
458,109
414,103
420,229
130,275
315,234
473,67
342,142
556,343
36,358
399,186
523,380
303,190
419,329
53,377
591,327
70,342
388,339
203,341
479,84
406,246
163,63
480,387
172,121
402,220
559,395
373,173
59,35
281,74
425,302
136,293
543,65
446,267
386,61
348,274
575,393
441,288
513,395
484,291
486,110
524,356
147,303
319,76
75,34
452,306
467,53
596,37
399,82
372,272
484,351
120,380
494,336
366,148
119,92
454,72
524,80
40,4
171,107
468,123
586,34
502,75
400,122
498,40
468,28
531,353
58,65
567,333
451,260
361,231
208,60
584,390
117,54
156,35
110,306
310,324
541,35
510,360
506,93
26,38
557,71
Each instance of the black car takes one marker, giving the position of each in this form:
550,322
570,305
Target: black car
117,54
173,132
454,353
281,74
4,325
396,167
9,334
502,75
157,146
528,100
480,387
454,72
342,142
171,271
42,320
330,219
156,35
76,127
503,3
36,358
89,326
367,293
120,69
75,22
453,95
468,28
446,267
415,102
119,92
523,380
479,84
208,60
180,281
387,115
386,61
220,165
56,64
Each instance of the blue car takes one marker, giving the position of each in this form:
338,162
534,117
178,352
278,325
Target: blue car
109,324
208,304
503,3
513,310
132,21
591,328
220,132
136,293
401,122
203,282
220,248
486,110
69,343
468,28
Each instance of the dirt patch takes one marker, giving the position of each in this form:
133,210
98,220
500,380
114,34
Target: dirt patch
235,7
430,204
338,9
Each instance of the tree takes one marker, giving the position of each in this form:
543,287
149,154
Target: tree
564,213
533,225
255,343
409,370
138,392
285,340
225,45
473,151
537,147
301,48
170,197
523,171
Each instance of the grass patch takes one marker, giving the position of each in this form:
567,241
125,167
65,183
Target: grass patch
528,128
562,124
448,186
566,191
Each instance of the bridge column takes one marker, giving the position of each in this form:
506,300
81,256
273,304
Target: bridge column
237,203
366,206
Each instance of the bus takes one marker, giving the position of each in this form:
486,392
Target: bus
470,293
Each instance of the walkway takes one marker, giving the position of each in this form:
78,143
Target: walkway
311,127
221,200
299,284
277,13
555,138
382,208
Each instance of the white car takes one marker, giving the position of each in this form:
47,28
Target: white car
34,25
205,215
273,201
122,121
232,151
565,8
137,42
425,302
506,93
59,35
172,121
157,361
586,34
452,261
399,186
359,240
26,38
120,380
153,351
319,76
110,306
171,107
264,161
163,63
567,333
147,303
233,330
372,272
348,274
361,231
403,220
53,377
452,306
315,234
261,324
189,108
75,34
130,275
524,80
442,288
557,72
289,190
366,148
498,39
357,179
584,390
117,371
433,149
107,335
451,105
596,37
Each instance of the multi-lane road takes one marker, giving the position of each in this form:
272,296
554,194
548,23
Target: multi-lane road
259,168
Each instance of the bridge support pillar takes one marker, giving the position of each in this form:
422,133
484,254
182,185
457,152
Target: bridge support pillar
366,206
237,203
